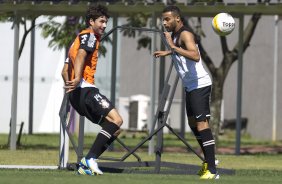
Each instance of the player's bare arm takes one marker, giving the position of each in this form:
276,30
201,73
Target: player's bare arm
64,73
78,68
188,47
161,53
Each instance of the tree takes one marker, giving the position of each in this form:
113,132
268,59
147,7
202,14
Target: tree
23,21
219,74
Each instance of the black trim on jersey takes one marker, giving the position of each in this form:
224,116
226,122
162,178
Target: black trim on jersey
87,42
177,34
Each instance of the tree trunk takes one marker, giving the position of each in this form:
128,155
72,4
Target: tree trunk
216,100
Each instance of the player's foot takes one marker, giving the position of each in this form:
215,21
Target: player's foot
203,169
92,165
208,175
82,170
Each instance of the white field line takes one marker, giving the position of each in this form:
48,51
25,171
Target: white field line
27,167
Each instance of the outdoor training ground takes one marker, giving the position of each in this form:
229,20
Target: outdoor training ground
263,165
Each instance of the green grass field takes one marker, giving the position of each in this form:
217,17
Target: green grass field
42,149
66,177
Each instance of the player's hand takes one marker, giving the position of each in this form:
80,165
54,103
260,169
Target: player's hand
71,85
161,53
168,39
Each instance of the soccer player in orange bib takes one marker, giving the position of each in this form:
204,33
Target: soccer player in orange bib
84,96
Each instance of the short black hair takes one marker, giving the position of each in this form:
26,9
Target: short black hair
174,9
95,12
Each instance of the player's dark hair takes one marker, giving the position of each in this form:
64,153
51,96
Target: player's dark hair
174,9
95,12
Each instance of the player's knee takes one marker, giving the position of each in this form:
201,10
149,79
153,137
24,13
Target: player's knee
201,125
118,121
114,117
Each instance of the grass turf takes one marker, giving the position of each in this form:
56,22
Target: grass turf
12,176
42,149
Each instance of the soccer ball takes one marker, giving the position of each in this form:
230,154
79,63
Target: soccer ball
223,24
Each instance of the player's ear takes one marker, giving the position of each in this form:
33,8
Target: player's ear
178,18
91,21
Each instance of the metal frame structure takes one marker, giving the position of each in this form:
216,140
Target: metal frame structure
160,119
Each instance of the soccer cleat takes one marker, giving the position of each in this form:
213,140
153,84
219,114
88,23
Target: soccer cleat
208,175
82,170
203,169
92,165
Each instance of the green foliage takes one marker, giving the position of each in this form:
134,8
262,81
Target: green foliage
6,18
62,34
9,17
144,42
135,20
138,20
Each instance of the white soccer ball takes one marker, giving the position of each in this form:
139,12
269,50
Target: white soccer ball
223,24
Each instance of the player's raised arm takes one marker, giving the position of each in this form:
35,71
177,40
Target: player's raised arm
188,47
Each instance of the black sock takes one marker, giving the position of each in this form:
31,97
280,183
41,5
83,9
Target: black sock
98,147
105,147
208,146
199,139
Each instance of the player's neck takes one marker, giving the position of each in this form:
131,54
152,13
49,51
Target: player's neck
178,27
92,30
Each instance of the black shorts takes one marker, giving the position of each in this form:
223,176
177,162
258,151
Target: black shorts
89,102
198,103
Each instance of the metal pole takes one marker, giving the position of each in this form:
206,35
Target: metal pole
64,147
114,70
274,98
64,134
239,85
15,84
80,138
31,81
159,146
182,113
114,63
153,86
